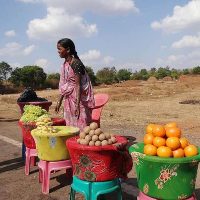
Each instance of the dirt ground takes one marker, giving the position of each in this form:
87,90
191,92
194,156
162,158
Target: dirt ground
132,105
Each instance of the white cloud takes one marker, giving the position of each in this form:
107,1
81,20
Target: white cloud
187,41
11,49
15,49
58,24
91,55
29,1
108,59
180,61
182,18
96,6
10,33
28,50
42,62
94,57
64,18
15,64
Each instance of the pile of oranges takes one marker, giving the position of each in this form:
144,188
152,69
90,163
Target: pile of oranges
166,141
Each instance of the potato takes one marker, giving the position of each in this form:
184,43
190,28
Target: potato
102,137
98,131
88,138
91,133
84,142
95,138
104,142
82,135
91,143
86,130
108,136
110,141
93,126
97,143
113,139
78,140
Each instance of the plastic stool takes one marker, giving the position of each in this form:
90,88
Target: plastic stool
142,196
45,169
30,159
92,190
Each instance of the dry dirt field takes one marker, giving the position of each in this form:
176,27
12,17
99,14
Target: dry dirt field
132,105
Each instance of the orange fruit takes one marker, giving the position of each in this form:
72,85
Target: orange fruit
158,141
148,139
191,150
150,150
158,130
173,143
178,153
149,128
184,142
164,152
170,124
173,132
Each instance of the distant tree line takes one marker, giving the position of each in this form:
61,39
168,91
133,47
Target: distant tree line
35,77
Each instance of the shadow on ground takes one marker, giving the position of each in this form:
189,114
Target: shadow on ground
12,164
8,120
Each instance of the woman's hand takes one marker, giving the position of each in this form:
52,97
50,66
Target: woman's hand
77,111
57,108
58,105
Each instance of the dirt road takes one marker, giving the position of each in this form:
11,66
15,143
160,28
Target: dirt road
131,107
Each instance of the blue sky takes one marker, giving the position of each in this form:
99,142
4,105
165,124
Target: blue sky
130,34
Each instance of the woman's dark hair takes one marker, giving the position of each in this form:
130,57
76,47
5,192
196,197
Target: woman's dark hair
77,65
68,43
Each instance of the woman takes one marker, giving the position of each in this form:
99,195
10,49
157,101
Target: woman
75,87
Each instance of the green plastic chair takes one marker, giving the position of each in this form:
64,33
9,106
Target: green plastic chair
91,190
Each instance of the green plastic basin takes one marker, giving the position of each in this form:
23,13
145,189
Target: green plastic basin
165,178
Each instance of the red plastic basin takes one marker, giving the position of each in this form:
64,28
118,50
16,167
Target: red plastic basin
99,163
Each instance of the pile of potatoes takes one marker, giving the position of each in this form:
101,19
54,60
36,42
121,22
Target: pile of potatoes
92,135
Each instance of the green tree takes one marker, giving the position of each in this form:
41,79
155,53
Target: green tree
28,76
52,80
175,73
91,75
123,75
186,71
152,71
15,77
107,75
162,72
5,70
55,76
141,75
196,70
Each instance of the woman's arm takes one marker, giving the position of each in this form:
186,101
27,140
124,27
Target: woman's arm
78,94
59,103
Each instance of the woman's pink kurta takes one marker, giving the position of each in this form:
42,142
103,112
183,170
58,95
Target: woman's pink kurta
67,87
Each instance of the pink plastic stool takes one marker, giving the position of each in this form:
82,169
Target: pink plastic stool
30,159
142,196
45,169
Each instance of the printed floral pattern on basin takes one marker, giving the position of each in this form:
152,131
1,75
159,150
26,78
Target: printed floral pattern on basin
52,142
136,157
182,197
146,188
166,174
85,168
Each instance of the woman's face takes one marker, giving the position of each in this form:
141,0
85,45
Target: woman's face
63,53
